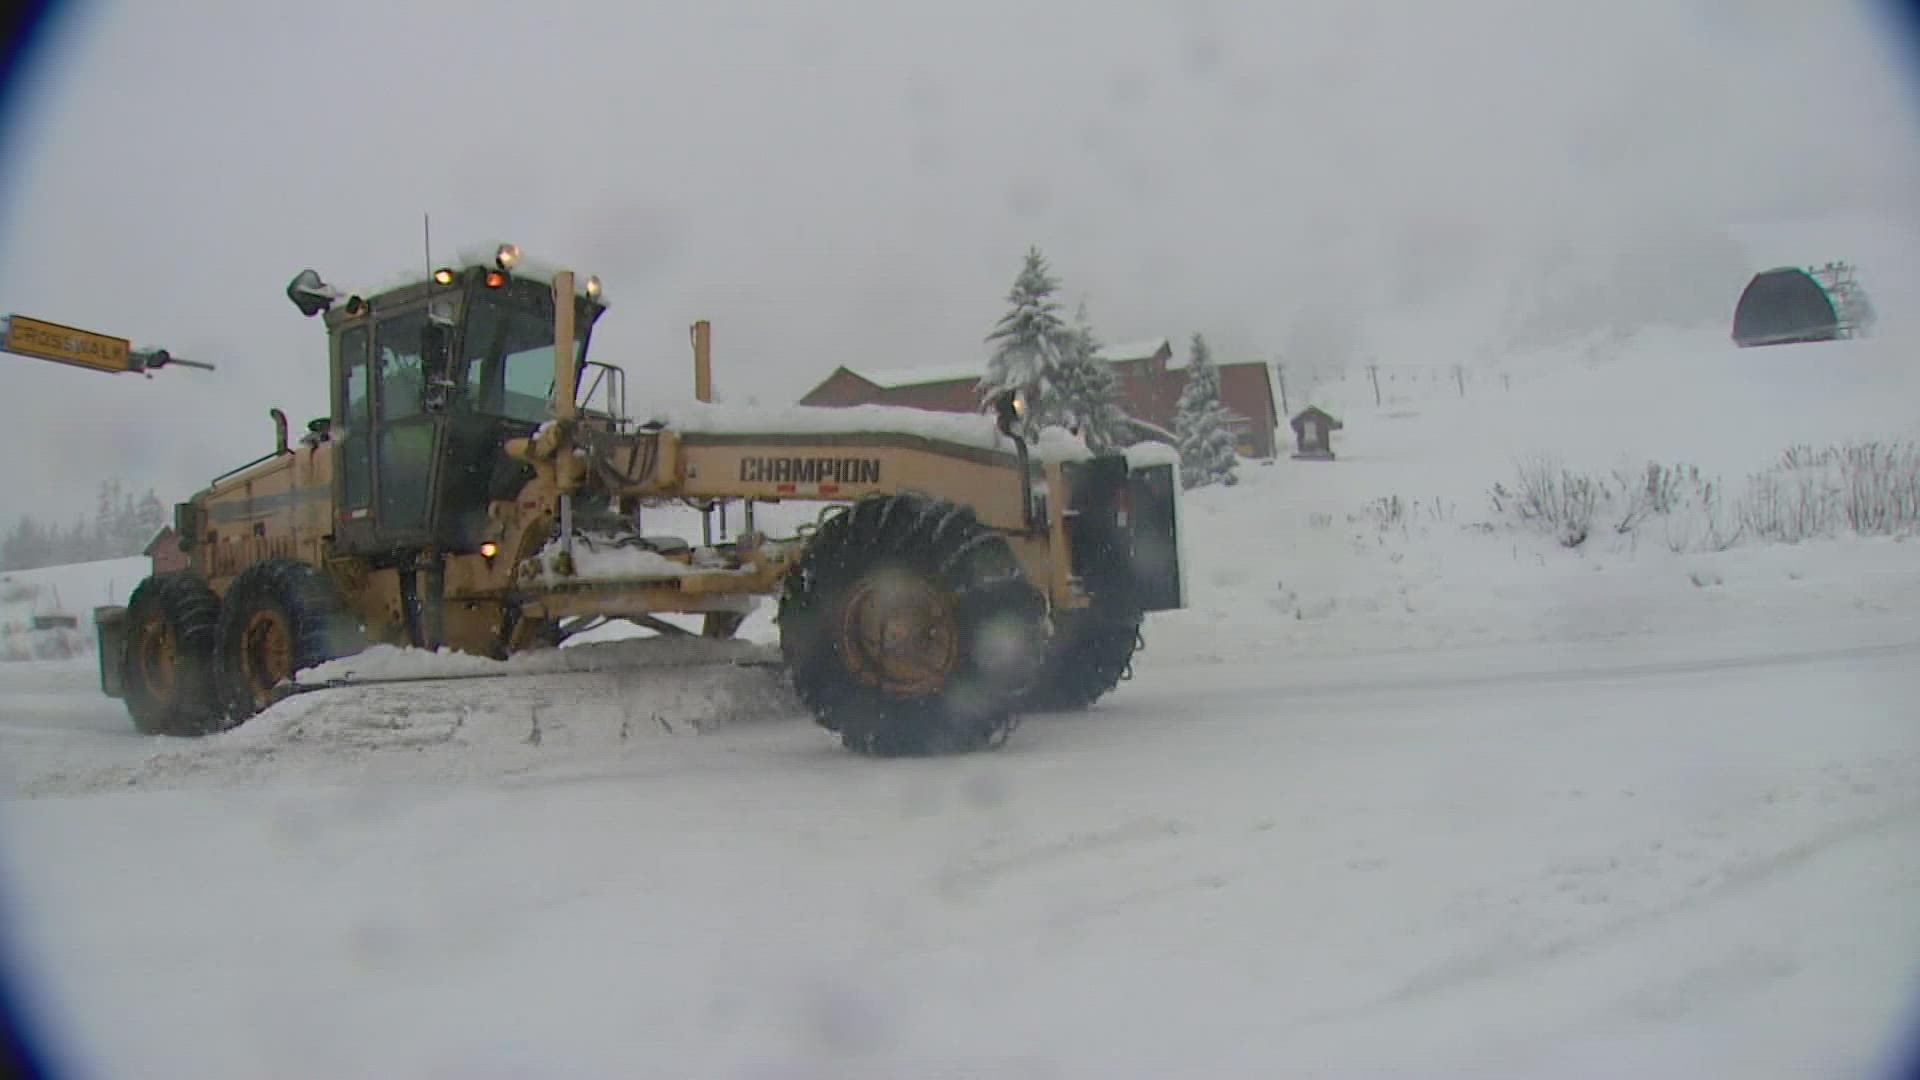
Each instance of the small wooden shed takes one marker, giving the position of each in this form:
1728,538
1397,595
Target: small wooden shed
1313,430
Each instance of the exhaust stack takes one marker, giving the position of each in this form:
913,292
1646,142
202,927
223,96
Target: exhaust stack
703,361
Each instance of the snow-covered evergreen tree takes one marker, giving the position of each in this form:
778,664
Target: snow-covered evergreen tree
150,515
1206,443
1028,341
1086,396
27,547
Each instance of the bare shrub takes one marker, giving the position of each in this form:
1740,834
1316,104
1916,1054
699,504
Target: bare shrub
1558,501
1391,515
1655,490
1881,488
1786,506
1869,489
1698,519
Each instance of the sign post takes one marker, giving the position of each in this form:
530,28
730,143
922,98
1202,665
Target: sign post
66,345
43,340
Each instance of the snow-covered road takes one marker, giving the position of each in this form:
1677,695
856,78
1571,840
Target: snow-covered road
1685,856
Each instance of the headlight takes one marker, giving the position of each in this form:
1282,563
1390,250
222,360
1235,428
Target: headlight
489,549
443,276
507,255
593,287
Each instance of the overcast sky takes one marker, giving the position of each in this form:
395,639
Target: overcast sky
855,181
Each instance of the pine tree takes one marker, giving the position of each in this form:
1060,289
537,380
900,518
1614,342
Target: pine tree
1086,394
74,545
151,515
1027,341
27,547
105,536
1206,442
14,549
127,537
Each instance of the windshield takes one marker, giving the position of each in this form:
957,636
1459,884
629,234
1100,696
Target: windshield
508,355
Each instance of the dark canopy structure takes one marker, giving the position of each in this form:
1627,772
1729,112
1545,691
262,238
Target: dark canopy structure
1784,306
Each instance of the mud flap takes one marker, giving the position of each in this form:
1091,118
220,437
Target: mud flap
110,630
1124,533
1153,503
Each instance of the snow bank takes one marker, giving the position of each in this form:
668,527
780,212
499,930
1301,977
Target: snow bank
60,735
1143,455
80,587
73,590
1396,545
600,558
1134,350
392,662
890,377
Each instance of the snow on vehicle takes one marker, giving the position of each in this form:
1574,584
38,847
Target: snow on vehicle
460,495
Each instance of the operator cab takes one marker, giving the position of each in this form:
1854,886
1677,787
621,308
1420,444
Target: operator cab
429,381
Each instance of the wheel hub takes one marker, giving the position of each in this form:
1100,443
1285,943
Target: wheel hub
266,654
155,651
899,633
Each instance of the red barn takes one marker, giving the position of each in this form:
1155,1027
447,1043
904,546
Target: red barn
1150,383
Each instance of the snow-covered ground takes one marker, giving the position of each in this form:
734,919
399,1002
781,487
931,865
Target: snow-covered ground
1407,789
30,595
1690,868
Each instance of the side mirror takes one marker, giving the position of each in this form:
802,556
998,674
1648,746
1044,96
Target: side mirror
311,295
1009,406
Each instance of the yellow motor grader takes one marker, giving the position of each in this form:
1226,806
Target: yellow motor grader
466,492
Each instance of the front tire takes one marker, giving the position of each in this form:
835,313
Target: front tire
280,617
909,628
167,672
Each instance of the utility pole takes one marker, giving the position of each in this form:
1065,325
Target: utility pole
1460,378
1373,372
1280,369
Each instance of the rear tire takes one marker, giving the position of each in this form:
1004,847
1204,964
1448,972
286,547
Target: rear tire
166,670
1091,651
280,618
909,628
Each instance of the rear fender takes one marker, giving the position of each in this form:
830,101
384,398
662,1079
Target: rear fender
1154,527
110,630
1124,530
